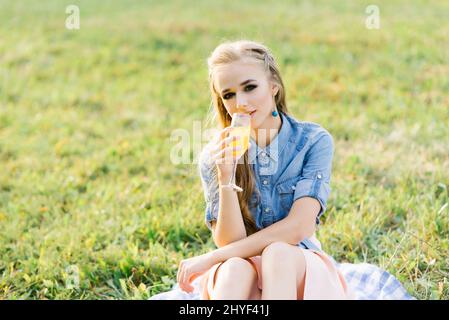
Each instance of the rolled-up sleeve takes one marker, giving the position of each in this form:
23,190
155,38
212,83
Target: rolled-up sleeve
210,189
314,181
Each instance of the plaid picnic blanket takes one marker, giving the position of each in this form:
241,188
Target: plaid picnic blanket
369,282
366,281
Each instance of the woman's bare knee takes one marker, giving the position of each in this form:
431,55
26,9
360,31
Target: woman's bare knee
279,257
280,254
234,279
236,269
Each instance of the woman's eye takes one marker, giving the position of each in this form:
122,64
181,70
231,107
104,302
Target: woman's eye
227,96
247,88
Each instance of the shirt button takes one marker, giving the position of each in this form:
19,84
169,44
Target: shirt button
263,158
265,182
319,176
267,209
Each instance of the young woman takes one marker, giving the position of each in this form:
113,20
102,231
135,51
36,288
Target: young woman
265,234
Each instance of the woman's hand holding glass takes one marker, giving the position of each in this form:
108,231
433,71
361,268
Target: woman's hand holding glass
232,145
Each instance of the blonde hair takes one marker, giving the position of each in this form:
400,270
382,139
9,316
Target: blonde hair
226,53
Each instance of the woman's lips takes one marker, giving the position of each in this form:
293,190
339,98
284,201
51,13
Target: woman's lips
252,113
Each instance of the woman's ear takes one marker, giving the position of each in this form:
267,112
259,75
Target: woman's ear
274,89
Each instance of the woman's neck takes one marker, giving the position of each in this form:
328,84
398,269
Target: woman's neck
264,134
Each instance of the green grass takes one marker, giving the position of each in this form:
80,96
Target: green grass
86,116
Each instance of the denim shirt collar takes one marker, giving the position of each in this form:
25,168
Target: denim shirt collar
277,145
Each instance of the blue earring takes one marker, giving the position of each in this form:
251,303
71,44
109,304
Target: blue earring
274,113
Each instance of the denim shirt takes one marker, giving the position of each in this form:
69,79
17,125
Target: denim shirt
297,163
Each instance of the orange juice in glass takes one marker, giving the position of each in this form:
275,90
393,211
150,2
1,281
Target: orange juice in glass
243,133
241,127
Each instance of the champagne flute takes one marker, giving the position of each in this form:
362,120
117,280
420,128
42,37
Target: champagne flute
241,128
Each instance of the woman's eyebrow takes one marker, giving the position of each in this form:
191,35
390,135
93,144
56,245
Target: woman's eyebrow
242,84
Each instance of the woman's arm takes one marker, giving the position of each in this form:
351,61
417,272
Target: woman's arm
226,221
229,226
298,225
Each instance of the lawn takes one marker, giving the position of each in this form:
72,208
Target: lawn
91,205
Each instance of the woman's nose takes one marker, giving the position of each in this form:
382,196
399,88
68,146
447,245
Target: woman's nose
241,102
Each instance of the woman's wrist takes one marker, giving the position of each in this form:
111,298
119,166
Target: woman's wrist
216,256
223,179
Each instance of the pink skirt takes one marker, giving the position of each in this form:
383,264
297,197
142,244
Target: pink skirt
323,281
